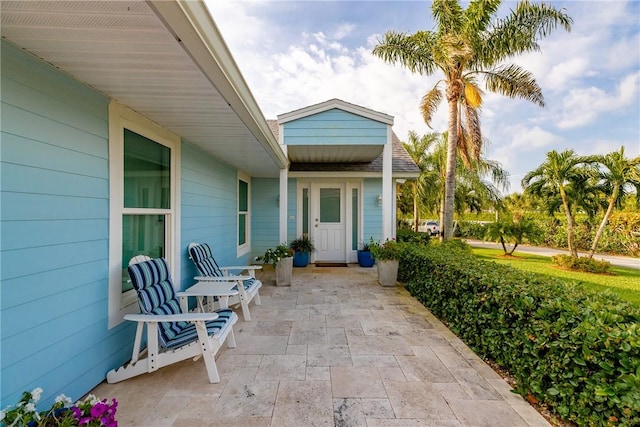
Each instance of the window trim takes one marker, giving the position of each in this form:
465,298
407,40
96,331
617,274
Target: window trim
246,246
121,117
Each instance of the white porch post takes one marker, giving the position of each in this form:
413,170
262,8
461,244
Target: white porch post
284,178
387,188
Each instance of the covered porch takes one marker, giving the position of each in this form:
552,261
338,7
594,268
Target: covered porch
335,348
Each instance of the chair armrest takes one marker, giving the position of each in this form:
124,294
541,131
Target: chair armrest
183,317
221,278
242,267
209,289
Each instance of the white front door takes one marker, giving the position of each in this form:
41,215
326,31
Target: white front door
328,221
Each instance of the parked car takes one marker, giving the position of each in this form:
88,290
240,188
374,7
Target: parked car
430,227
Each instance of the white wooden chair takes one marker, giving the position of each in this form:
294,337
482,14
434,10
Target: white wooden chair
172,335
247,285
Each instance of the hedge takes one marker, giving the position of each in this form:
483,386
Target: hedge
576,351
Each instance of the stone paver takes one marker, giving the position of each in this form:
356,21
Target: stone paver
334,349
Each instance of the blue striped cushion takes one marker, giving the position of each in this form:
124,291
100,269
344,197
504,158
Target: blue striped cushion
246,284
153,284
189,333
204,261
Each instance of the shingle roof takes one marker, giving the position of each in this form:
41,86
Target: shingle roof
402,164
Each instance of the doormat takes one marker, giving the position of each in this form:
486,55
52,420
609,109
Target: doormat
331,264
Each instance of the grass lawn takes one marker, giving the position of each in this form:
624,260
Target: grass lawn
623,281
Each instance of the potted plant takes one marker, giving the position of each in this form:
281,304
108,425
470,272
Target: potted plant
387,257
365,259
281,258
302,246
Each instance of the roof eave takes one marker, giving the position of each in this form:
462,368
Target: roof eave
193,27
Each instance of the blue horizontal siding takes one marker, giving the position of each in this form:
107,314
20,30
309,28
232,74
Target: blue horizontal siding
46,284
54,223
22,234
208,209
17,150
335,127
265,223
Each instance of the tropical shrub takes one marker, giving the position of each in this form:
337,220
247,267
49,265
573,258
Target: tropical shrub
410,236
581,263
576,351
389,250
470,230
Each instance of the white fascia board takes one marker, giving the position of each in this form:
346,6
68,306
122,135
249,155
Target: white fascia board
193,27
339,104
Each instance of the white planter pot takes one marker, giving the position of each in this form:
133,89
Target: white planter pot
387,272
284,270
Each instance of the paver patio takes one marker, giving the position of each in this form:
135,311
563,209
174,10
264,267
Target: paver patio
334,349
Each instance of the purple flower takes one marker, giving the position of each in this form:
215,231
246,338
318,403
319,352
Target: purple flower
98,409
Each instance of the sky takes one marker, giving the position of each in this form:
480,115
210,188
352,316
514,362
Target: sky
293,54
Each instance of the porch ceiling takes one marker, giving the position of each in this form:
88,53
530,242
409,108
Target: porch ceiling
333,153
164,59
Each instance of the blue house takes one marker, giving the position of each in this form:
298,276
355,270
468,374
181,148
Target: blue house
127,128
339,188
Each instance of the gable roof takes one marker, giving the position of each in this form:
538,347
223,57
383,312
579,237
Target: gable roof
402,164
339,104
164,59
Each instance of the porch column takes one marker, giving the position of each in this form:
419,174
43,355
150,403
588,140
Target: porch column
387,188
282,203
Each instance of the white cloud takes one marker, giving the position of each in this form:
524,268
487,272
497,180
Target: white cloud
586,76
582,106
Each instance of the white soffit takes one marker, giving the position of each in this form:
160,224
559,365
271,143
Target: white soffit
165,59
333,153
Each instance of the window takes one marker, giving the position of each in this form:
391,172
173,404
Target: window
144,201
244,215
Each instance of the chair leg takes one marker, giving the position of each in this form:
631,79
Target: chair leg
207,353
231,339
246,315
256,298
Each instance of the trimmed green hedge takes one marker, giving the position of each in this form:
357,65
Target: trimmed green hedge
576,351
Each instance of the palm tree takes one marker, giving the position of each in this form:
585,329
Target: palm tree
476,187
618,175
561,174
514,230
465,46
419,148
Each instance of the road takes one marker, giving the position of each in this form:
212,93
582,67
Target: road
620,261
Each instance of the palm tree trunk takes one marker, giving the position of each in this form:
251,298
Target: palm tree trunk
605,220
570,232
504,246
450,180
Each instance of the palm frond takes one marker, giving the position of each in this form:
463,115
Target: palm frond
412,51
430,102
463,147
452,52
472,94
515,82
448,15
478,15
474,131
520,30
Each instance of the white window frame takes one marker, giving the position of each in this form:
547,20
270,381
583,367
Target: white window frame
244,248
120,118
